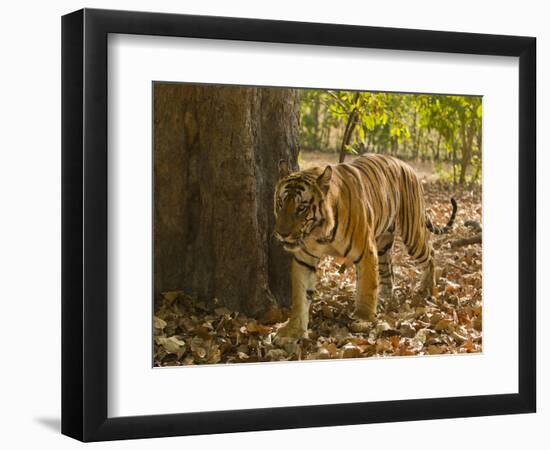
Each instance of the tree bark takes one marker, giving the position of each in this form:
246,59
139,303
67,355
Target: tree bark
350,128
316,132
467,141
438,147
478,166
454,164
414,135
394,144
216,151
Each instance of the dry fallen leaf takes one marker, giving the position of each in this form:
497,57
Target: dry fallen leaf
158,323
351,351
253,327
171,296
171,344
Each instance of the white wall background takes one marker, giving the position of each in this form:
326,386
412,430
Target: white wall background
30,221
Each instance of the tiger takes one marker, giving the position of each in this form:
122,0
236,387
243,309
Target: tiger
352,211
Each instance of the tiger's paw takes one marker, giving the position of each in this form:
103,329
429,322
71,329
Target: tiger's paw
290,332
364,312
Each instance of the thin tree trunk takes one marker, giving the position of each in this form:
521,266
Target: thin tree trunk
317,138
394,146
454,164
350,128
216,152
327,139
478,167
467,142
420,145
414,137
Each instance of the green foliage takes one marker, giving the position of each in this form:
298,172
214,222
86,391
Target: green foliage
316,122
410,126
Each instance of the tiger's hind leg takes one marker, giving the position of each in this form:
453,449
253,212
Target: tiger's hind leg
384,244
425,261
428,282
421,251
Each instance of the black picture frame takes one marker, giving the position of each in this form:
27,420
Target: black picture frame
84,224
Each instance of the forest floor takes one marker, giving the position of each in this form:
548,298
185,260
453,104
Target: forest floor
449,322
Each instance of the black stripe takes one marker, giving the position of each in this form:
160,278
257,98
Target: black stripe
294,185
409,204
419,238
317,224
309,178
385,249
349,170
365,170
348,248
349,206
376,170
294,193
299,176
423,258
367,166
306,265
334,229
307,253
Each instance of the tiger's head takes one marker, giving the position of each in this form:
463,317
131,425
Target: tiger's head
299,204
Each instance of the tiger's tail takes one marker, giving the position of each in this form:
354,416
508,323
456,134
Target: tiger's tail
442,230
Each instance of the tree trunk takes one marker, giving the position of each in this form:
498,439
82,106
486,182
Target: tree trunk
326,145
414,135
454,164
478,167
467,142
316,132
438,147
216,151
394,144
369,140
350,128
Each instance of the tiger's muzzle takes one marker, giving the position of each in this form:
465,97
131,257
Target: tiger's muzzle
290,243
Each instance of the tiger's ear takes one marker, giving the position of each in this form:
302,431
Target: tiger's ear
283,168
323,180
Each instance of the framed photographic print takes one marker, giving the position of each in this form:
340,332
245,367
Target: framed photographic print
273,224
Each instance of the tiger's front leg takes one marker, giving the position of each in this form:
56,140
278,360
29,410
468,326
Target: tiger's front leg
367,283
302,273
